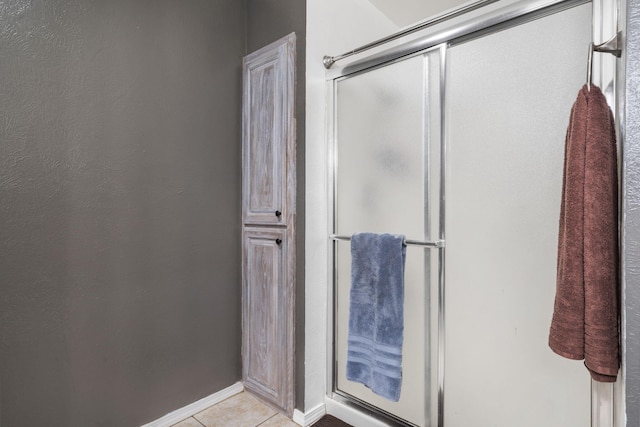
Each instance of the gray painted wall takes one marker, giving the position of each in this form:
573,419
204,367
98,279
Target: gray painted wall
119,208
267,21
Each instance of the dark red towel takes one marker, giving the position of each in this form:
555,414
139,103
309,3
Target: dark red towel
585,317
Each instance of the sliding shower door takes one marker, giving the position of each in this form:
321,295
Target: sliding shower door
387,154
477,353
508,99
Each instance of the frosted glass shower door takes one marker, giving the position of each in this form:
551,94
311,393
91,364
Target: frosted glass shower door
384,183
509,96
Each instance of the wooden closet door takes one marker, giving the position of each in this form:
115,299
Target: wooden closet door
268,133
268,215
267,327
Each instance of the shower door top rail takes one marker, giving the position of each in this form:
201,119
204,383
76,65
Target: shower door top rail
429,244
496,20
328,61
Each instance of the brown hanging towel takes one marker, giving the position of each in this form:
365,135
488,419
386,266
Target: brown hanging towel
585,317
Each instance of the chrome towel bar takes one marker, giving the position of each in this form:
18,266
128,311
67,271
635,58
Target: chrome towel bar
435,244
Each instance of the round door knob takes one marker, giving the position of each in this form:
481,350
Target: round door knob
278,214
278,241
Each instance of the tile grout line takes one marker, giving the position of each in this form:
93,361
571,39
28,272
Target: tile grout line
258,425
198,421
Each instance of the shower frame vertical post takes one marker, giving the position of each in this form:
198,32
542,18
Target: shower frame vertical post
442,236
605,14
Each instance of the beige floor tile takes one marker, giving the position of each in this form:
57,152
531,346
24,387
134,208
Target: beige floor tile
279,421
242,410
189,422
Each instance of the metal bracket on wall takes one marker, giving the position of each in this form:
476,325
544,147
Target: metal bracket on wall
612,46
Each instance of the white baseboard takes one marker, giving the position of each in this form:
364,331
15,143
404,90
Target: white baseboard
305,419
195,407
350,415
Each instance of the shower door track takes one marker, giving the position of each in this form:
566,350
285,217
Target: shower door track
492,22
604,25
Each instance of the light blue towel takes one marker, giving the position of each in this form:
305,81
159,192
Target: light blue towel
376,313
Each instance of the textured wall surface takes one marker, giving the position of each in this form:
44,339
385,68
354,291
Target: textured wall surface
267,21
120,208
631,216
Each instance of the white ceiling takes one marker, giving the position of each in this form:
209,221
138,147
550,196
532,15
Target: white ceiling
407,12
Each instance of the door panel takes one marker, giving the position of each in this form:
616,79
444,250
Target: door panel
509,96
265,318
268,153
383,175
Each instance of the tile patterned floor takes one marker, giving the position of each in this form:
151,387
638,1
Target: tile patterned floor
241,410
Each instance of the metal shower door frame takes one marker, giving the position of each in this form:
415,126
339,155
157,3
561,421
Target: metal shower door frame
604,397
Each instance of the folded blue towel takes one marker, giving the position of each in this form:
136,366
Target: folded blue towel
376,313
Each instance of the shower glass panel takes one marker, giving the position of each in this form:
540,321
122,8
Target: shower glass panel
386,181
509,96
